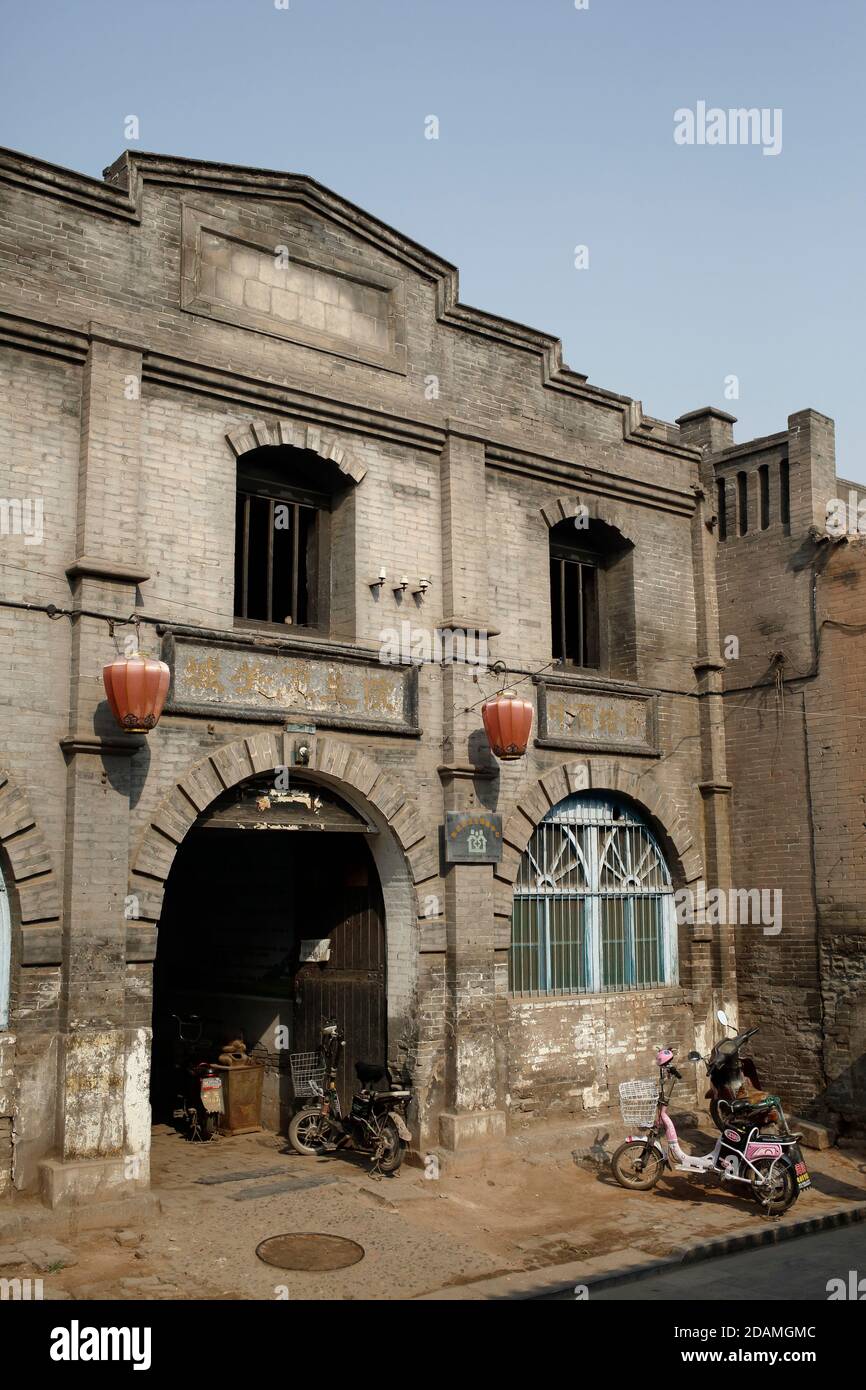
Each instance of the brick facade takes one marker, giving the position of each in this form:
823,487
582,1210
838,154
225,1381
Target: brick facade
159,327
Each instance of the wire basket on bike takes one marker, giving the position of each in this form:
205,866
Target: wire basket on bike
637,1101
306,1067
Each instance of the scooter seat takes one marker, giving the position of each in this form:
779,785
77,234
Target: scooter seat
368,1073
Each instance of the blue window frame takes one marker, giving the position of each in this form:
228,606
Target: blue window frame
593,903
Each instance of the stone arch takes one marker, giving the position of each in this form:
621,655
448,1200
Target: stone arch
599,507
595,774
405,857
29,859
259,433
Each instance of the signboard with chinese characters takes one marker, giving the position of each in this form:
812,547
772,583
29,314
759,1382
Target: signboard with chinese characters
593,715
473,837
331,685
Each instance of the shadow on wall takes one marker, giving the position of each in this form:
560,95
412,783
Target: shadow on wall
842,1104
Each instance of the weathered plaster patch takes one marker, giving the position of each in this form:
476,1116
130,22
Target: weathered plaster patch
136,1107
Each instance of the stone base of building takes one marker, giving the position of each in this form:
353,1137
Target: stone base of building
467,1128
86,1180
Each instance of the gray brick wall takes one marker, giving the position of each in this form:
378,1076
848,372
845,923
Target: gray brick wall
468,433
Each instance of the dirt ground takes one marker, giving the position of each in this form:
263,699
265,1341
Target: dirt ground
540,1199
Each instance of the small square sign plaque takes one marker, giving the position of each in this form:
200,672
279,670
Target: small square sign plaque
473,837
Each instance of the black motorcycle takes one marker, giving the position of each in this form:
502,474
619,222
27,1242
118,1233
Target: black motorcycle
376,1122
735,1087
199,1100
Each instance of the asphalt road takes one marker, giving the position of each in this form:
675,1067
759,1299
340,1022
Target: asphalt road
796,1270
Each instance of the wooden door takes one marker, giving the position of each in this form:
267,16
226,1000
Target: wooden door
343,902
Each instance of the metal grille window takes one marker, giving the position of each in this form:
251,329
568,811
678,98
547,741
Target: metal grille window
574,606
593,903
274,540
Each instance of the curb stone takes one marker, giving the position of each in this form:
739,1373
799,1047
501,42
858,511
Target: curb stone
538,1283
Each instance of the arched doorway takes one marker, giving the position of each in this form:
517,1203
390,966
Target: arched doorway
273,917
593,908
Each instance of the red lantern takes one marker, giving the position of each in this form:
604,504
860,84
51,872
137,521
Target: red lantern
136,687
508,724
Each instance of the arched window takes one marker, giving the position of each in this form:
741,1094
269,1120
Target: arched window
5,952
593,903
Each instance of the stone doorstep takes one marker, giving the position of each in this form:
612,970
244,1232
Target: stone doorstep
33,1221
628,1264
815,1136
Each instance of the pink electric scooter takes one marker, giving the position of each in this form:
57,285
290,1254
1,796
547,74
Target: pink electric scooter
772,1167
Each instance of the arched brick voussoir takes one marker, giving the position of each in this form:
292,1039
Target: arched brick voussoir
347,767
155,855
596,774
202,785
260,433
28,854
146,899
29,858
265,751
599,509
232,763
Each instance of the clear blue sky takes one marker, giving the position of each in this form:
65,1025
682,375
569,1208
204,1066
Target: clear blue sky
556,129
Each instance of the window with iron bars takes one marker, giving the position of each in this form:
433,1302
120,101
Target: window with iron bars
574,607
275,558
593,907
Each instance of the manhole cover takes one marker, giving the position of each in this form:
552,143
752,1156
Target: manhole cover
309,1250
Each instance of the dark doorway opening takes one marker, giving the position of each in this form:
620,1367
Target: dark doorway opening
245,909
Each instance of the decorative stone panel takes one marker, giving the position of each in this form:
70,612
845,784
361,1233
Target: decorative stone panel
234,275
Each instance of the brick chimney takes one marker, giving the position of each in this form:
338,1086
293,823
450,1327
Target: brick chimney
708,429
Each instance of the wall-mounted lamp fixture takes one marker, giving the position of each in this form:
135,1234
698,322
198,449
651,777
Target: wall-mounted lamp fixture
423,586
376,584
402,586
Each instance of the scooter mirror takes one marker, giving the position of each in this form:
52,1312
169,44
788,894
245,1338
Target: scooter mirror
722,1017
695,1057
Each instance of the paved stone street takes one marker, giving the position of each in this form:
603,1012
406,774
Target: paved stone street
523,1208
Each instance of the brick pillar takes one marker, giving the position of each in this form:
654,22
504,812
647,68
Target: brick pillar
812,469
474,1083
707,429
103,1116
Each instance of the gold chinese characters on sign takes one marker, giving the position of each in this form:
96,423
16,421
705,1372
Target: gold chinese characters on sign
285,683
590,717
